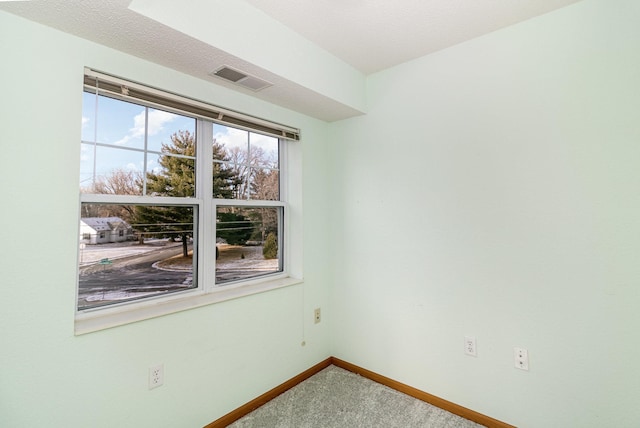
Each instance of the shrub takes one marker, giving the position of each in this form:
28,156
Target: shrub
270,249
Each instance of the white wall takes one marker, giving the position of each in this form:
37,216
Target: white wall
217,357
493,190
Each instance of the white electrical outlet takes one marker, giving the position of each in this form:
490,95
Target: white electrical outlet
316,315
156,376
521,358
470,346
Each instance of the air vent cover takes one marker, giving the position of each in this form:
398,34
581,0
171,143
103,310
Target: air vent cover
229,74
241,79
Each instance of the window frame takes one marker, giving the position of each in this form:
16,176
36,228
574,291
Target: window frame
207,291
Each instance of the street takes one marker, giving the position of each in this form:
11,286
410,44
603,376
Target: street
129,278
111,273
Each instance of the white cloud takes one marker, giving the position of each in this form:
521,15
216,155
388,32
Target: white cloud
264,140
157,120
232,137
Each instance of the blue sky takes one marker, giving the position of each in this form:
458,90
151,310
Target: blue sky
122,125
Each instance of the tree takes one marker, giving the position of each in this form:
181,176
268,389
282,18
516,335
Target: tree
233,226
226,180
265,185
166,222
261,181
176,178
119,182
258,171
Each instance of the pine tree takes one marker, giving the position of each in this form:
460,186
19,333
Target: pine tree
167,221
226,181
177,179
233,226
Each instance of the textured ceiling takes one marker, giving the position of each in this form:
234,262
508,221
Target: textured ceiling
372,35
364,35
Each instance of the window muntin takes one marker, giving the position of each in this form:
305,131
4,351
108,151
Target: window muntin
124,168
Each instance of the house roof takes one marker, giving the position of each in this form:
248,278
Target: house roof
104,223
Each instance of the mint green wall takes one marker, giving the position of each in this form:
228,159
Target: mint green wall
493,190
217,357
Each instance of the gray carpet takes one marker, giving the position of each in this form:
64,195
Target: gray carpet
336,398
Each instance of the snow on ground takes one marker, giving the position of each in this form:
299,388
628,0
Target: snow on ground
94,253
231,256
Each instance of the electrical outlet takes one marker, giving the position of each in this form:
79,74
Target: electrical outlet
521,358
156,376
470,346
316,315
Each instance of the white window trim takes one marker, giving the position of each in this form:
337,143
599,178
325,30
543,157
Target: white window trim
96,320
207,292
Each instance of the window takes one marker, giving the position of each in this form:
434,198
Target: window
158,262
177,197
246,167
247,242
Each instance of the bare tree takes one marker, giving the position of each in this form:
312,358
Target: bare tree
257,169
265,185
118,182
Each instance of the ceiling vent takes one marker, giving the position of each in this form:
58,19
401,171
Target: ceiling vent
241,78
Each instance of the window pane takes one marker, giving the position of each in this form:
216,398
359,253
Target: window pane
130,252
165,127
247,242
226,182
170,176
111,121
117,171
231,139
265,184
264,151
245,164
128,139
230,157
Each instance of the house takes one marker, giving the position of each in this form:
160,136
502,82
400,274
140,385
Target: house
100,230
488,189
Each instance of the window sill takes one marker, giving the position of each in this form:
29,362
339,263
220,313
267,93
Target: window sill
87,322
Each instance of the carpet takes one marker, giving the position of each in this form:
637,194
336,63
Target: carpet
337,398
